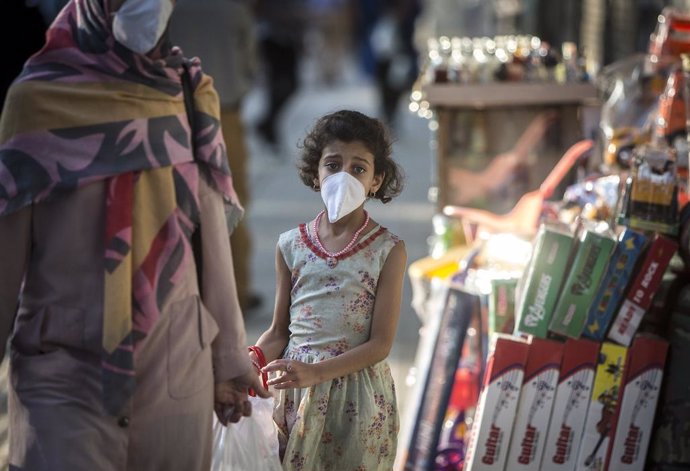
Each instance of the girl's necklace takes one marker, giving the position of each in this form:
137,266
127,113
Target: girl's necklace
332,257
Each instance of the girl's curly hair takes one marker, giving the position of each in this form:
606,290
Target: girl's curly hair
349,126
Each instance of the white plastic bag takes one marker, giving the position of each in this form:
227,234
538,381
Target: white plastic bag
249,445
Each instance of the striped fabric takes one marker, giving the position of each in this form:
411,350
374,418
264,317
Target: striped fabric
87,109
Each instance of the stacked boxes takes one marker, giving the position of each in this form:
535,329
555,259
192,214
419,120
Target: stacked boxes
573,394
459,310
495,413
536,401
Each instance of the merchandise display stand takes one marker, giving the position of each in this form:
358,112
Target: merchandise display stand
553,355
477,122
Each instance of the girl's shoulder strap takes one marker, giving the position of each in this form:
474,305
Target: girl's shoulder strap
289,238
288,242
381,240
389,239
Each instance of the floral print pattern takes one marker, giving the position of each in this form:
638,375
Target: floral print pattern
349,423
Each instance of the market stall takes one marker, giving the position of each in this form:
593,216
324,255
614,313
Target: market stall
559,342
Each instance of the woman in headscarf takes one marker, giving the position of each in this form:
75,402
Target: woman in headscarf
120,351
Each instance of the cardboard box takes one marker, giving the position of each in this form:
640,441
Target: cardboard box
502,305
459,310
587,269
495,413
603,407
575,382
536,401
619,274
642,290
543,279
640,394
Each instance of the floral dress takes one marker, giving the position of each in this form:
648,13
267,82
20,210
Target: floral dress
349,423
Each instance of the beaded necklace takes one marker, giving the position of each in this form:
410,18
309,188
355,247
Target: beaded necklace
332,257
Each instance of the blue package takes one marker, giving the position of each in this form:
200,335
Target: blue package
613,285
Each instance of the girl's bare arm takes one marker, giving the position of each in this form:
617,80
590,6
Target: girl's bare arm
274,340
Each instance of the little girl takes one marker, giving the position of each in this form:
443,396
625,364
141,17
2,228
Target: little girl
339,285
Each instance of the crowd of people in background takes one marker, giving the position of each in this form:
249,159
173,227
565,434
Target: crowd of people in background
381,38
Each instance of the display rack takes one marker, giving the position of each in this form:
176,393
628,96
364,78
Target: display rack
509,94
505,105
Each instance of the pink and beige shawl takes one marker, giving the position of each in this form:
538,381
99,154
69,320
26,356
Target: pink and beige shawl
87,109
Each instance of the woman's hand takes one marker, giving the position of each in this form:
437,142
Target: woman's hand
230,397
293,374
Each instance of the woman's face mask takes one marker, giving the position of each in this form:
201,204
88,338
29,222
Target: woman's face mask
342,193
140,24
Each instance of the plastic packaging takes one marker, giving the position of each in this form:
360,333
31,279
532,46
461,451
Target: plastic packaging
249,445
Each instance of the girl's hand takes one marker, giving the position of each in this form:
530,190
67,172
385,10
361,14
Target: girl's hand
294,374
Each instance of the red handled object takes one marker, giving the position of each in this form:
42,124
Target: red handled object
262,362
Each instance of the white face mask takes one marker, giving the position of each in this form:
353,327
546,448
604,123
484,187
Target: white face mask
342,194
139,24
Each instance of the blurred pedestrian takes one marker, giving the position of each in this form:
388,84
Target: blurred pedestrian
121,344
221,33
328,37
281,26
395,55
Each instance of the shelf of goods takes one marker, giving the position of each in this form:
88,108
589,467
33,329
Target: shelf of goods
479,122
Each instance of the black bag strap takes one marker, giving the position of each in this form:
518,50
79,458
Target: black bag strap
188,93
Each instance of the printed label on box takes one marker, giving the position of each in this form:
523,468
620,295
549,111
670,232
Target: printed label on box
536,402
644,372
612,289
571,403
495,413
642,290
603,407
583,281
544,277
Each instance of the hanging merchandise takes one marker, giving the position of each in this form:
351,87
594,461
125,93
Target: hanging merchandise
670,37
644,92
671,124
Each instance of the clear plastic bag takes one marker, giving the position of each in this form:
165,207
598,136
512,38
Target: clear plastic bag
249,445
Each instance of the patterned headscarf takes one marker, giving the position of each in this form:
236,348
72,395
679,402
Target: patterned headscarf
86,109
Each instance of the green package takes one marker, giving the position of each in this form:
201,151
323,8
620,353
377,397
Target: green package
587,269
502,305
543,278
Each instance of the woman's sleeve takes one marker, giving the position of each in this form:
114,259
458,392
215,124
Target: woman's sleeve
15,240
219,292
